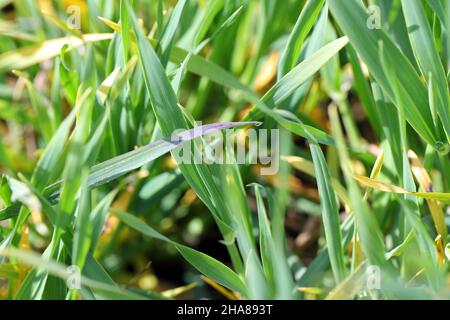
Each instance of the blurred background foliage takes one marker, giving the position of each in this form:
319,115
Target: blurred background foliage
42,81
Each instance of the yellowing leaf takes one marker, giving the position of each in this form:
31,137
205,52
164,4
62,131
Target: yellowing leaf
379,185
111,24
226,293
27,56
387,187
175,292
425,183
440,250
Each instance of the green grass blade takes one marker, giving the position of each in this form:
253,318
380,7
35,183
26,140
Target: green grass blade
427,56
368,228
352,17
330,212
294,46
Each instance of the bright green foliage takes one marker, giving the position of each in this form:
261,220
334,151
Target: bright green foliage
96,103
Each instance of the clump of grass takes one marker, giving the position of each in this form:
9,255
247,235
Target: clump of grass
89,102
